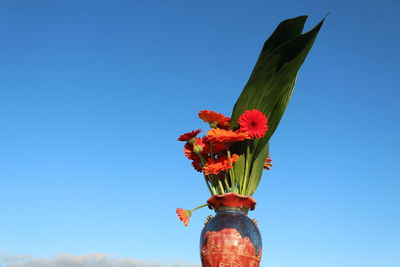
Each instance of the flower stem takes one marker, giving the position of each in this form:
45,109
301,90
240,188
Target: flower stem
214,182
246,168
203,162
199,207
231,172
226,182
221,186
213,189
208,185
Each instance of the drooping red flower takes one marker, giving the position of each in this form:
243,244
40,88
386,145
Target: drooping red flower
197,165
184,215
188,151
254,122
214,119
215,166
187,136
267,163
194,152
198,145
225,136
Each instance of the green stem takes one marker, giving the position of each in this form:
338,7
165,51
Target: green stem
221,186
246,168
226,182
213,189
231,172
208,185
199,207
203,162
214,182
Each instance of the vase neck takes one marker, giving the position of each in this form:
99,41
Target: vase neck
220,209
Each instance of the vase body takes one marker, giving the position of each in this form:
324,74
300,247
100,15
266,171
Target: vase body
231,238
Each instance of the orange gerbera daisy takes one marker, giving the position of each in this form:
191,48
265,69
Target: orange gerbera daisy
226,136
184,215
254,122
188,136
218,165
214,119
267,163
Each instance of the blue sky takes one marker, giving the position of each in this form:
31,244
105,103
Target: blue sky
93,95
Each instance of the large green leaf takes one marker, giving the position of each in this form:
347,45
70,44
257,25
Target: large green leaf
276,115
271,83
286,30
257,169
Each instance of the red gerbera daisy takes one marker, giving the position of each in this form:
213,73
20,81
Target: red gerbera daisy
187,136
184,215
218,165
225,136
188,151
216,147
254,122
214,119
198,145
197,165
267,163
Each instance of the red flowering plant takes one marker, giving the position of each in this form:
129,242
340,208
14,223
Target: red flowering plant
225,168
234,152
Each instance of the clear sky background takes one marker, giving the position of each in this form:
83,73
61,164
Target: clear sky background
93,95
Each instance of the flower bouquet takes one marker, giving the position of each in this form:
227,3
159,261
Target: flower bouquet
234,152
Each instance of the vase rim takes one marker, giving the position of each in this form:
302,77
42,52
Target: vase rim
231,200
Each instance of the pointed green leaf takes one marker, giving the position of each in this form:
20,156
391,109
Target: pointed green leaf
272,82
286,30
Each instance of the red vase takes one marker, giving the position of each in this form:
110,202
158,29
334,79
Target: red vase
231,239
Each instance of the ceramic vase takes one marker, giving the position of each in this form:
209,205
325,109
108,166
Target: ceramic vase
230,238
